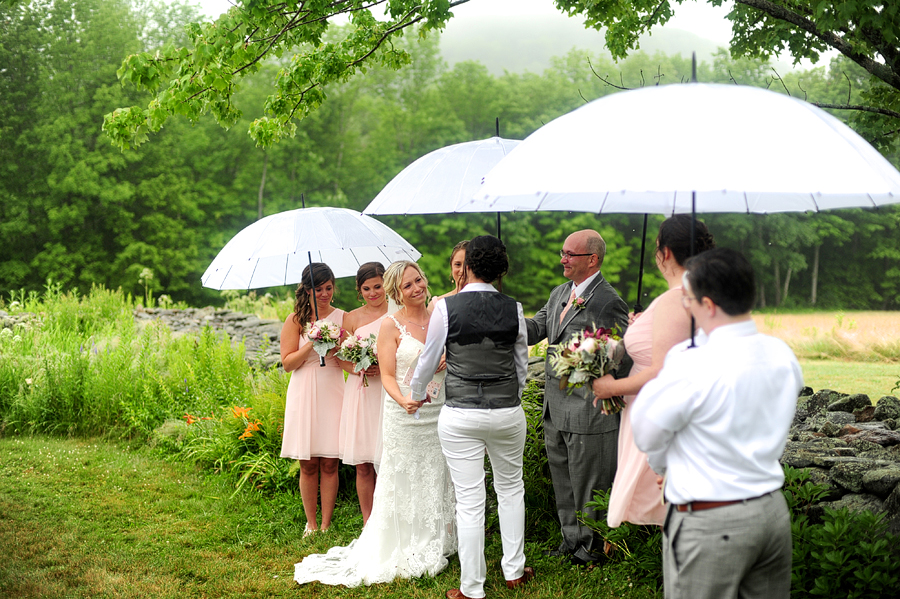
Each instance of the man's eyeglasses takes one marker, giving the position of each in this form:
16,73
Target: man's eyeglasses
686,301
570,255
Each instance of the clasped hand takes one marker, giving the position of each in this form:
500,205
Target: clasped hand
411,405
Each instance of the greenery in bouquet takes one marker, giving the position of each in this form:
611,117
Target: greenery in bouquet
362,352
324,335
587,355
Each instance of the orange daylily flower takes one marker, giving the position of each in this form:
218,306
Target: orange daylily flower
239,412
190,419
251,427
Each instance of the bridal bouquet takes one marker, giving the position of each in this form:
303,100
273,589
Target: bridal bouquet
324,335
361,352
586,356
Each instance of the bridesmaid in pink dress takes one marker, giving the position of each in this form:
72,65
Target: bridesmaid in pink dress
312,411
361,414
635,495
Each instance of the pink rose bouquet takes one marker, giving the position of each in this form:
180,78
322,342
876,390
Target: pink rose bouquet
324,335
588,354
363,353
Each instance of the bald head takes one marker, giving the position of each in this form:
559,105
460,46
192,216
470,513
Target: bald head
579,267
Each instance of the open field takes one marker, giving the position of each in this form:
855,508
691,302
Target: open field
857,336
851,352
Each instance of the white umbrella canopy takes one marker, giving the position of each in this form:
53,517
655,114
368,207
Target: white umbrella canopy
735,148
442,181
274,250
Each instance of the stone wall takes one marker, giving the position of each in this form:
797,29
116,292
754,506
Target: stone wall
261,336
852,447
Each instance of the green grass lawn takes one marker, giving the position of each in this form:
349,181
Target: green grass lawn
87,518
875,379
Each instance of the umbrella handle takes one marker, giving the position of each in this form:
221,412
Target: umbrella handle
638,308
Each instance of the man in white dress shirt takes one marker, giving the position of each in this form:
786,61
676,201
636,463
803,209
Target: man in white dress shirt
484,335
715,422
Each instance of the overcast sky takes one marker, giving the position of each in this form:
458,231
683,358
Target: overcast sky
697,17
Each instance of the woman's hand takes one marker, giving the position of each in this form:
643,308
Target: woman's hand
373,370
632,317
442,364
602,388
409,404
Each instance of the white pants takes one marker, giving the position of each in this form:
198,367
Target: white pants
465,434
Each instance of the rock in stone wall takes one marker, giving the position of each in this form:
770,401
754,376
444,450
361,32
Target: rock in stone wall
851,447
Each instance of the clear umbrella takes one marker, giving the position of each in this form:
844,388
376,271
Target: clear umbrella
691,148
702,147
274,250
442,181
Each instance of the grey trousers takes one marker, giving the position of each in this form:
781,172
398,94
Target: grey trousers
736,551
579,464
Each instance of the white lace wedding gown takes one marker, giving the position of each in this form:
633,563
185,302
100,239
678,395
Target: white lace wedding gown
412,528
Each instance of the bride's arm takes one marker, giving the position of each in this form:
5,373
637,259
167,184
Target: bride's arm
388,341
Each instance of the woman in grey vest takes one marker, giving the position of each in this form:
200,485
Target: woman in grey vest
483,333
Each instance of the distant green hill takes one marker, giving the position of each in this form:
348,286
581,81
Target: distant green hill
526,43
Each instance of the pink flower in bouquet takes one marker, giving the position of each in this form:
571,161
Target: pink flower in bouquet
335,333
314,332
588,345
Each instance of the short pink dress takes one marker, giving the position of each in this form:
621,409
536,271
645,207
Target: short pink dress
635,496
362,413
312,411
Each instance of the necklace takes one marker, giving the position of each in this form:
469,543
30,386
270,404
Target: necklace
406,318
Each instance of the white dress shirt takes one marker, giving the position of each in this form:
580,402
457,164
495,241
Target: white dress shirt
437,338
579,289
717,416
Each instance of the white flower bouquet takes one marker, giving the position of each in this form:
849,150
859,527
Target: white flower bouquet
324,335
588,354
362,352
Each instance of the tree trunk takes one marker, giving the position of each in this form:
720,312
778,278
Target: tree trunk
787,283
262,187
777,284
762,296
815,275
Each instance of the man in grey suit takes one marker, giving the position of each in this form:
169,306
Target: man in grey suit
581,442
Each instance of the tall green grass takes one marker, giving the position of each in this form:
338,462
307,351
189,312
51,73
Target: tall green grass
84,368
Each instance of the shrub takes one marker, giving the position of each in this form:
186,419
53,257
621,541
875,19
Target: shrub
637,549
849,554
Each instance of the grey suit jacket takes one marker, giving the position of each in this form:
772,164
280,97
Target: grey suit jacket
603,307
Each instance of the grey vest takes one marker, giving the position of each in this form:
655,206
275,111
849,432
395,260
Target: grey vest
481,338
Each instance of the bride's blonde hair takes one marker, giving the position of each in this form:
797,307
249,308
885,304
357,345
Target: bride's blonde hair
393,277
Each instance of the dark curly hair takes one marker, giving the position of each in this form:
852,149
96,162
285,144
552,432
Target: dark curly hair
486,258
675,234
303,310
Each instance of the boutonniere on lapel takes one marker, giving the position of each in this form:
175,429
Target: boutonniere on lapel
579,304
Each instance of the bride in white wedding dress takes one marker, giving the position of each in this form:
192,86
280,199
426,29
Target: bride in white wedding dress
411,530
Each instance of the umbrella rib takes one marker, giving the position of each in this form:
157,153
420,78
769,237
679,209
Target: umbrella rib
815,203
746,202
603,203
253,272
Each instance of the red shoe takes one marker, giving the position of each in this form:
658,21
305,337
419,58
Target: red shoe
527,575
456,594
